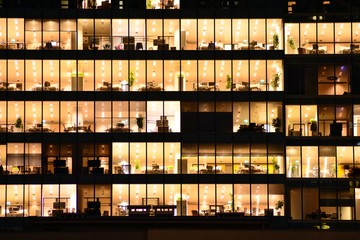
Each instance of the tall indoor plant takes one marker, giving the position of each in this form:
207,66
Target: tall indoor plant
18,124
228,82
276,123
275,81
276,165
278,206
131,79
292,43
276,41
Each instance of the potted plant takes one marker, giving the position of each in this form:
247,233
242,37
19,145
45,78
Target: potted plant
131,79
137,165
276,165
275,81
228,82
253,44
170,169
292,43
18,124
107,46
276,123
278,206
276,41
313,127
149,4
140,122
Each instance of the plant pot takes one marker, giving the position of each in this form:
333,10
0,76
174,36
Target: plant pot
276,171
301,50
18,130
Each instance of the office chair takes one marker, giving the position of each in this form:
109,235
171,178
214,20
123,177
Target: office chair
48,45
139,46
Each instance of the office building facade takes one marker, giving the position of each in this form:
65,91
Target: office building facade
222,109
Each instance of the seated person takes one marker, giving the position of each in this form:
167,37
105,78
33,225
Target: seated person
169,4
48,87
105,86
46,84
202,86
211,46
155,167
209,169
37,87
120,46
48,45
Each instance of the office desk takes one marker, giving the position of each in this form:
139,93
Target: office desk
205,86
78,129
35,129
119,129
252,169
150,87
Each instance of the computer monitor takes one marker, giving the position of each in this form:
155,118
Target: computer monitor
58,205
94,40
158,41
48,45
245,83
93,205
353,46
93,163
59,163
53,43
